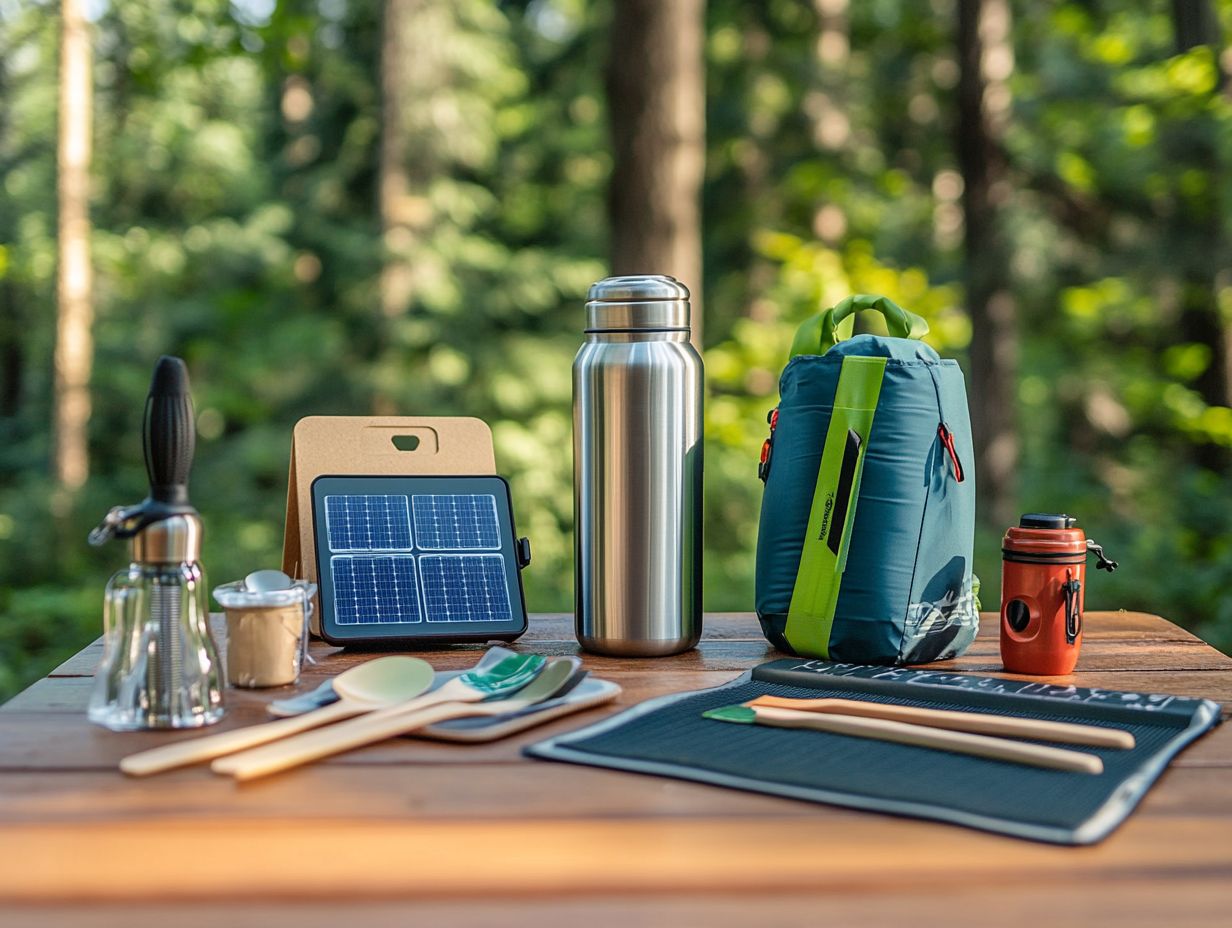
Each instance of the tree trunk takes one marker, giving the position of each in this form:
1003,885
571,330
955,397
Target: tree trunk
393,181
13,317
74,277
657,107
985,62
1198,227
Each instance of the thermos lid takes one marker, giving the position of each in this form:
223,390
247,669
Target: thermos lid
1051,520
1053,536
650,302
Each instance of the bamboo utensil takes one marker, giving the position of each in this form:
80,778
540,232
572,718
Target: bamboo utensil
394,681
378,726
979,723
508,675
916,735
372,685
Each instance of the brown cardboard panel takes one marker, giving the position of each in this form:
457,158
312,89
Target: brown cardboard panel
373,446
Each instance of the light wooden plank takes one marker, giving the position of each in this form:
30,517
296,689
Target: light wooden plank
1145,901
190,859
463,791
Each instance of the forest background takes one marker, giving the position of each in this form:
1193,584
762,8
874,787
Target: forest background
396,206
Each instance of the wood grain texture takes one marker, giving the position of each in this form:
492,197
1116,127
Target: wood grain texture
447,792
576,842
1126,903
409,855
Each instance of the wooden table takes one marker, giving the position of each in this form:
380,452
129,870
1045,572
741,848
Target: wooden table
479,835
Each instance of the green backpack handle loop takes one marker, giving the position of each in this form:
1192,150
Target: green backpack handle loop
820,333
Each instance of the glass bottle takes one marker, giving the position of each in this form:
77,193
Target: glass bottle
160,666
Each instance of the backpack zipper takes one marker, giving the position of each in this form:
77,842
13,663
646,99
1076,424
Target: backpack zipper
767,446
947,440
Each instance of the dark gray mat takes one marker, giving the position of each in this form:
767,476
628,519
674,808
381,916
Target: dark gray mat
668,736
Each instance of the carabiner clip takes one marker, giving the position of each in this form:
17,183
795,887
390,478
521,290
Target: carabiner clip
1073,615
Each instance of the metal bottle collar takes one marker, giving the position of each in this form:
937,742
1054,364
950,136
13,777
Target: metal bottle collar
644,302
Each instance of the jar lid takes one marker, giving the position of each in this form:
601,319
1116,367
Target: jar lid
651,302
237,596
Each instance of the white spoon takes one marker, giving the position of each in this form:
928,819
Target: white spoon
372,685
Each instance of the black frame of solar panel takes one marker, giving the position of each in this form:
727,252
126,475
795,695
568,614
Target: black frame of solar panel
392,633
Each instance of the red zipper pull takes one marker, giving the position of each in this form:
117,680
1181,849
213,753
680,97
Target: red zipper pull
947,439
763,465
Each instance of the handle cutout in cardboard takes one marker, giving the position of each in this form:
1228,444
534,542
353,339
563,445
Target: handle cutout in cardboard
397,443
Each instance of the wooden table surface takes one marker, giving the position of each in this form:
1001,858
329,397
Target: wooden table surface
478,835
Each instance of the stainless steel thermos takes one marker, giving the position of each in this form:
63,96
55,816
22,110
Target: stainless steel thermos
637,471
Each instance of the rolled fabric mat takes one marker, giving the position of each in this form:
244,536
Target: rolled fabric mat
668,736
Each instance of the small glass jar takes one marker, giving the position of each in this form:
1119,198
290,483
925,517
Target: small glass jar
160,667
267,632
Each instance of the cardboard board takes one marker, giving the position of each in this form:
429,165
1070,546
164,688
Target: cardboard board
376,446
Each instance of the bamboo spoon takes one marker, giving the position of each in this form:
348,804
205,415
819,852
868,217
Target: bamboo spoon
975,722
558,675
372,685
916,735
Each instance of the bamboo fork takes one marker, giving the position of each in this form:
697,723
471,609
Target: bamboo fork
975,722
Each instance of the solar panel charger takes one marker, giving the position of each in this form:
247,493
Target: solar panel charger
405,559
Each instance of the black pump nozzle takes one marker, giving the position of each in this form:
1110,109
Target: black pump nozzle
170,434
169,437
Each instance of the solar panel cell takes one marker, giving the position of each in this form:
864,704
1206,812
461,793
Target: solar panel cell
368,523
465,588
375,590
456,522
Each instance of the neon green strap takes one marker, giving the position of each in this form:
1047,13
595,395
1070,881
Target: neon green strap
823,556
820,333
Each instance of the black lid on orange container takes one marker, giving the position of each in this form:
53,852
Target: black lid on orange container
1047,520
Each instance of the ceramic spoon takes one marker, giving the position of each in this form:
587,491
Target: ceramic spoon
558,674
372,685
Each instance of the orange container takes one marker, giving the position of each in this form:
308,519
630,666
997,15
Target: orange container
1043,581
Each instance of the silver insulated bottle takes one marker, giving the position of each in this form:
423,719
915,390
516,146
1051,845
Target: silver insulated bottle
637,471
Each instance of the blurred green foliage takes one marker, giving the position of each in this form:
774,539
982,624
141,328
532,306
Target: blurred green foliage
235,225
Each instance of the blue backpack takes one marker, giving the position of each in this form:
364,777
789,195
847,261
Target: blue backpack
864,551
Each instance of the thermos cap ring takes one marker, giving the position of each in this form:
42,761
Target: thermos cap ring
1047,520
644,301
1045,537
